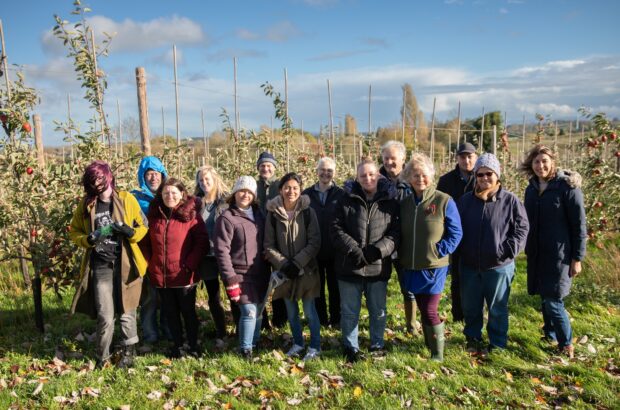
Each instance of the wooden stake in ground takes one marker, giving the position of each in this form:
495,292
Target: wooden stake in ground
69,127
143,112
369,110
481,142
176,94
458,126
331,120
404,116
494,139
120,127
6,73
432,132
204,134
102,119
523,133
38,141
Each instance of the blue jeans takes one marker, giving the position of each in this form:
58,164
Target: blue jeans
249,325
492,286
292,311
351,305
148,315
557,324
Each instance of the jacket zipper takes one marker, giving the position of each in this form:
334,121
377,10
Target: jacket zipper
484,204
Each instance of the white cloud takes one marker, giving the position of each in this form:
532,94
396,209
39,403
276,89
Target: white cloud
549,66
277,33
130,35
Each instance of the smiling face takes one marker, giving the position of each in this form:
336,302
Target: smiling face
466,161
393,161
485,178
266,170
206,182
325,174
244,198
368,176
290,192
420,179
543,166
171,196
152,179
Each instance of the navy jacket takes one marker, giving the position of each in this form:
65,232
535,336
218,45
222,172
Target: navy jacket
325,213
494,231
403,189
557,233
453,184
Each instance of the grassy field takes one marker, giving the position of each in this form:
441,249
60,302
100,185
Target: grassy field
55,369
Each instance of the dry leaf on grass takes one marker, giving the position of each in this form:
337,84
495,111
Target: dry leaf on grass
294,401
508,376
154,395
591,348
388,374
549,389
305,380
38,389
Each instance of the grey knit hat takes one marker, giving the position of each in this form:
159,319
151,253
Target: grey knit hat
489,161
245,182
266,157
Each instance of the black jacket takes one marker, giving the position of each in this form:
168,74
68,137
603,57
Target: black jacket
359,222
325,214
403,189
557,234
454,185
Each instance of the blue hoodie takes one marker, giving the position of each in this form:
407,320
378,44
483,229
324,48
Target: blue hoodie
144,194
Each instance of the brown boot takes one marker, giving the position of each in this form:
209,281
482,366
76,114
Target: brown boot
410,317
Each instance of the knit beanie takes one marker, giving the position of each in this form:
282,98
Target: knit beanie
266,157
489,161
245,182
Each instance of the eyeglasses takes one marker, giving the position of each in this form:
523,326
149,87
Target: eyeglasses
484,174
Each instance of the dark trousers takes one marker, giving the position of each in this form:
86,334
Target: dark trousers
327,274
215,307
455,290
181,302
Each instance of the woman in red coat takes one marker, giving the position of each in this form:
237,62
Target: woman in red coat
177,243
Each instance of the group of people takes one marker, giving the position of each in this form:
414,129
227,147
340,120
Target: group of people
274,239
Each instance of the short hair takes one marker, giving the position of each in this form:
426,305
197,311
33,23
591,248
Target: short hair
365,161
220,186
526,165
399,146
288,177
326,161
418,160
94,171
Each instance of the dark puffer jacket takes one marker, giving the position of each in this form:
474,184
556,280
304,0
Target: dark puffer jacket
557,233
177,243
359,223
403,189
453,184
238,248
325,214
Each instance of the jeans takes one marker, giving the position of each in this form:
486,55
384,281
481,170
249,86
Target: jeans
327,274
148,315
181,302
492,286
351,305
292,310
107,293
249,325
557,324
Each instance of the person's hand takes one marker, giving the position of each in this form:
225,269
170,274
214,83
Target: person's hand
234,292
123,229
357,255
371,253
93,237
575,268
290,269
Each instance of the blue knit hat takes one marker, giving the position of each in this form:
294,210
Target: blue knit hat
266,157
490,161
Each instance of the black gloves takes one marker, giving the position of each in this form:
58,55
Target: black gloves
123,229
371,253
290,270
93,237
358,258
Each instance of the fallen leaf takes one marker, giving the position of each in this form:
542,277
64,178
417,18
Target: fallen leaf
388,374
591,348
357,391
508,377
583,340
447,371
294,401
576,388
609,340
90,392
305,380
14,368
166,362
80,337
38,389
151,368
236,391
535,380
212,387
549,389
296,370
278,355
428,376
165,379
154,395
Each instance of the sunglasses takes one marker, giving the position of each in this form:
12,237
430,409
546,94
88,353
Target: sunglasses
488,174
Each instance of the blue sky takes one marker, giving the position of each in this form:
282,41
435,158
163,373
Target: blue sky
517,56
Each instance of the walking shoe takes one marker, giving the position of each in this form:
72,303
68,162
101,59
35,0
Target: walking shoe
102,364
312,353
352,355
473,345
295,351
129,352
174,352
568,351
246,354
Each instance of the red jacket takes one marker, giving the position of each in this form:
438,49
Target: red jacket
177,243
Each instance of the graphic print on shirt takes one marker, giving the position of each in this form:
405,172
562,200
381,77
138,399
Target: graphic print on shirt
107,246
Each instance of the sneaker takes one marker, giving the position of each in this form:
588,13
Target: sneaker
295,351
352,355
377,351
568,351
312,353
127,358
246,354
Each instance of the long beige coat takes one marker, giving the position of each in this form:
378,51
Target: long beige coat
291,240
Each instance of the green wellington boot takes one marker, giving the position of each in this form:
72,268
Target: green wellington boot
435,339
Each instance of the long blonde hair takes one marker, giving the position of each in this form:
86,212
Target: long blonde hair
221,190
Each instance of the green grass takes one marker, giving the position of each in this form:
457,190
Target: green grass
527,374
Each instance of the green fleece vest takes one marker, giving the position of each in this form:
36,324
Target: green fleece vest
422,226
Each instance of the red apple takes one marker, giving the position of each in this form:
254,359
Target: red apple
4,118
33,233
598,204
603,138
612,136
617,154
26,127
29,170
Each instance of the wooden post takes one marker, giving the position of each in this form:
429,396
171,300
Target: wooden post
38,141
163,126
569,151
481,142
458,126
120,127
204,134
331,120
555,137
145,136
70,125
404,116
494,139
523,134
6,73
449,147
369,111
303,137
176,93
235,93
432,152
102,118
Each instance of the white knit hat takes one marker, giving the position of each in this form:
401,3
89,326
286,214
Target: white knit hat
490,161
245,182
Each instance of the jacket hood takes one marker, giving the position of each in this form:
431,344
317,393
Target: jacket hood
183,213
572,178
147,163
384,188
276,205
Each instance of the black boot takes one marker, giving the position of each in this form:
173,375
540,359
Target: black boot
127,357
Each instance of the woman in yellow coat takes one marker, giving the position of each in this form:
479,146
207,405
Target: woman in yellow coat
108,224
